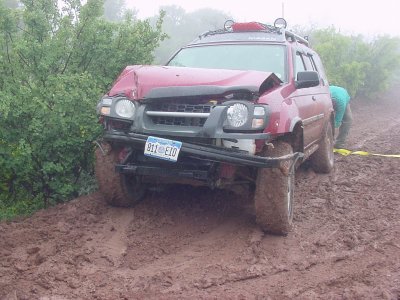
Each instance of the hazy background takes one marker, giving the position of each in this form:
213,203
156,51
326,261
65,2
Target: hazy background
350,16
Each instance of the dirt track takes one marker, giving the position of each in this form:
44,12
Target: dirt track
191,243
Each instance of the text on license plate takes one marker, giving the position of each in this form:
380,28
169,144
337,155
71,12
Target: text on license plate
162,148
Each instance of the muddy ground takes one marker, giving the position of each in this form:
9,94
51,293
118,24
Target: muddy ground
192,243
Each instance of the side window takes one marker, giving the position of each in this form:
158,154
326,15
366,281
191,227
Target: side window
313,63
307,61
299,67
320,69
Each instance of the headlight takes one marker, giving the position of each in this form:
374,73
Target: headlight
237,115
125,109
106,101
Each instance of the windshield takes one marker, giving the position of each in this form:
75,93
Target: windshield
267,58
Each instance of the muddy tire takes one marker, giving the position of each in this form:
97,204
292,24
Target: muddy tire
273,198
118,189
322,160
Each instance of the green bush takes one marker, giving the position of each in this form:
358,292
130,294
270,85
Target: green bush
363,68
384,57
54,66
22,207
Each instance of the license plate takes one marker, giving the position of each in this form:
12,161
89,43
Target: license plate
162,148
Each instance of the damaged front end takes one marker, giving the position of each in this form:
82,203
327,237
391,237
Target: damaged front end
201,134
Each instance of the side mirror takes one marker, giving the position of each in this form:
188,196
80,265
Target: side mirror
307,79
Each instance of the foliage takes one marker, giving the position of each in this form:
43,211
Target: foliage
384,56
363,68
344,57
54,65
23,207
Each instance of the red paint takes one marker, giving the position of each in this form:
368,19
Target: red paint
144,78
250,26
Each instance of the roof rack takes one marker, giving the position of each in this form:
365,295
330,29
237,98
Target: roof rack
278,27
267,29
296,38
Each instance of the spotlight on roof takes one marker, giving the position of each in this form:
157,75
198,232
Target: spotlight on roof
228,25
280,23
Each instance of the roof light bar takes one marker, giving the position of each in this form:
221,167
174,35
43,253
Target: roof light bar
250,26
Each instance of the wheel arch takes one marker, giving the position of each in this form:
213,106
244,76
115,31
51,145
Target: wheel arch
295,136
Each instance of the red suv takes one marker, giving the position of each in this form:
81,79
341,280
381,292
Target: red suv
243,105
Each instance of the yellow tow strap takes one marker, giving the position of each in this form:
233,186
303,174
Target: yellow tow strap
346,152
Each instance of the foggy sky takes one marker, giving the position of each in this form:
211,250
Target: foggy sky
350,16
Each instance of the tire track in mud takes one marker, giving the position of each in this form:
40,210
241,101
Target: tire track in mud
194,243
352,249
362,230
112,242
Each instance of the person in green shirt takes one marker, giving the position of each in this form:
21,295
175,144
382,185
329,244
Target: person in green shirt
343,116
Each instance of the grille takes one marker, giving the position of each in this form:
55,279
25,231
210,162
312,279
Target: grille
178,119
178,107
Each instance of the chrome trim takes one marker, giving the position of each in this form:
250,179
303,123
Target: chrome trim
177,114
313,119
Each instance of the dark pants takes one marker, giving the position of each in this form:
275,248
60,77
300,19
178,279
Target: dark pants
344,128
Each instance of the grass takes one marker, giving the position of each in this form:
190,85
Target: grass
19,208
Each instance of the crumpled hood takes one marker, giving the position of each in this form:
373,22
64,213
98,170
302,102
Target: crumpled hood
148,81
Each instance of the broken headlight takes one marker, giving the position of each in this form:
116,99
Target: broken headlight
118,108
245,116
125,109
237,115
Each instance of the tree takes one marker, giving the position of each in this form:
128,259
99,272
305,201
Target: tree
345,58
384,57
182,27
364,68
54,65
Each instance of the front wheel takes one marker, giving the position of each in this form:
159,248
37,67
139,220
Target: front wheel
121,190
322,160
274,193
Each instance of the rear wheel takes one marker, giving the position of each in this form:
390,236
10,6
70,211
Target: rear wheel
274,193
122,190
322,160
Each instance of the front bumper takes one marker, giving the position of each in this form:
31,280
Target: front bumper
207,152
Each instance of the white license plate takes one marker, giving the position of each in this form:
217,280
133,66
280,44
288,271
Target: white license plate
162,148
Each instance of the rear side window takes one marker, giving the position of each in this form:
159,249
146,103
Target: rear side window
299,67
308,62
313,63
320,69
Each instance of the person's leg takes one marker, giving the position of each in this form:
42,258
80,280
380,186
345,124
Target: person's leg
344,128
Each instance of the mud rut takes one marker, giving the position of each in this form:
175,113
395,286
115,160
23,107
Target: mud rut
192,243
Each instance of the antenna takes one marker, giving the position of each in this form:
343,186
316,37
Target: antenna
283,9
